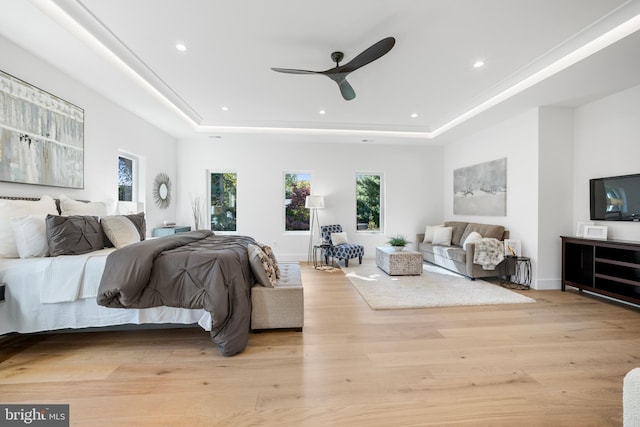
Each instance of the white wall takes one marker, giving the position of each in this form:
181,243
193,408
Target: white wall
555,192
517,140
108,128
412,181
607,143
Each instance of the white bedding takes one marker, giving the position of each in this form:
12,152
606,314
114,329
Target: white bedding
50,293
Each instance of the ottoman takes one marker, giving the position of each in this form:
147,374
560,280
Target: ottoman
399,263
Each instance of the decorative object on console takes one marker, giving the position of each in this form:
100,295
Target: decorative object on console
512,247
580,227
43,133
162,190
198,209
481,189
313,202
595,232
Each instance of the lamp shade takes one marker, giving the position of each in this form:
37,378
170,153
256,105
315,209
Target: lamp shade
314,202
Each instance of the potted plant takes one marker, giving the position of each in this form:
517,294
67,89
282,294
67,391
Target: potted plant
398,242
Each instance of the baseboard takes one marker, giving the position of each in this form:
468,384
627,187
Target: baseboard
547,284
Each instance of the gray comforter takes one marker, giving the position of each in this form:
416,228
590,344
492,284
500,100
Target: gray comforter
190,270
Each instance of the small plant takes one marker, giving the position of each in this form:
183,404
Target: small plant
398,240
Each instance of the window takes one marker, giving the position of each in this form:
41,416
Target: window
297,186
223,201
369,202
127,179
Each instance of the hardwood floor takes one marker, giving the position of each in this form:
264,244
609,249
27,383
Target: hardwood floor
558,362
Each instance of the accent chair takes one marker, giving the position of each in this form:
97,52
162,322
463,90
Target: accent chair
339,247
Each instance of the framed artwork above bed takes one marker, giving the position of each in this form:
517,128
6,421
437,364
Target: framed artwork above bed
41,136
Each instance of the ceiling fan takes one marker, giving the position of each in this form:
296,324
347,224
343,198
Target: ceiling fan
340,72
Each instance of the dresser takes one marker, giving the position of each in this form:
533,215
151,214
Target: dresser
166,231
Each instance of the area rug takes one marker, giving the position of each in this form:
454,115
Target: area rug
436,287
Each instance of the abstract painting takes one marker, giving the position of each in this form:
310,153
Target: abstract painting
481,189
41,136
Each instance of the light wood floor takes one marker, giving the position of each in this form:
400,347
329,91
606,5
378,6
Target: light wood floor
558,362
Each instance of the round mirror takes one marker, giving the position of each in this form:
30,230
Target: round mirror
162,190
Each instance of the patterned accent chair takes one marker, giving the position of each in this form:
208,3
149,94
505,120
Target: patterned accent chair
344,251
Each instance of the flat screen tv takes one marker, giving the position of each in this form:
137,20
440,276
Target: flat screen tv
616,198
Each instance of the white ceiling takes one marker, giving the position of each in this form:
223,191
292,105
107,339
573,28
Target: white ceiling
125,50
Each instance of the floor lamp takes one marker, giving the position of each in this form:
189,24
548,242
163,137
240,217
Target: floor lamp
314,203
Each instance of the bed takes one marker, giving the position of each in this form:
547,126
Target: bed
95,287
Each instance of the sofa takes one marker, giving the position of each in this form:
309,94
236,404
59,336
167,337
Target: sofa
451,254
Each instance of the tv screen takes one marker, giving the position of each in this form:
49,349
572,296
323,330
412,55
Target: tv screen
615,198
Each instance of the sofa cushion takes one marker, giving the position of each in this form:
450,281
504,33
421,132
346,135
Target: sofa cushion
458,231
485,230
442,236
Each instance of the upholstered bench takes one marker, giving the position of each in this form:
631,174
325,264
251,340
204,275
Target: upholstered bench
281,306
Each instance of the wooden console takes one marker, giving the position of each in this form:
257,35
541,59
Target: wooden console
605,267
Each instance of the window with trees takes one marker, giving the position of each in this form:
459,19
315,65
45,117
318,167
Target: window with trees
223,201
126,178
297,186
369,198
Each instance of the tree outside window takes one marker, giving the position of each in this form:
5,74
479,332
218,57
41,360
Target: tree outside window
297,186
125,179
369,201
223,201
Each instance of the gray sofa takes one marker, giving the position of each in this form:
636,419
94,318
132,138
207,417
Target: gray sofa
456,259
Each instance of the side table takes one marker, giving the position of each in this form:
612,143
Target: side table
521,278
166,231
319,265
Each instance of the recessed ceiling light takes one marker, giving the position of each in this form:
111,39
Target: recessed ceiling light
478,64
181,47
414,115
322,112
225,108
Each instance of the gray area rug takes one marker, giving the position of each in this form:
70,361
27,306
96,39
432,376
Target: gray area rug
436,287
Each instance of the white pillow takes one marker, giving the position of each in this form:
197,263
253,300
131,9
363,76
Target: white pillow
73,207
31,236
428,233
120,230
10,209
442,236
473,237
339,238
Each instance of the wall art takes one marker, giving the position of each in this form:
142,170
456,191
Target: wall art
41,136
481,189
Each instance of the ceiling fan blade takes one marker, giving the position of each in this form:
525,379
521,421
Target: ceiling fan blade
369,55
346,90
293,71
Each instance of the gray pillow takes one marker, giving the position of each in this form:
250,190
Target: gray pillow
73,235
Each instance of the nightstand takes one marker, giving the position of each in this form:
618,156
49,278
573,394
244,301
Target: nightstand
166,231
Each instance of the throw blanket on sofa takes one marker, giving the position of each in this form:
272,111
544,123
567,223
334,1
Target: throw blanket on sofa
190,270
488,253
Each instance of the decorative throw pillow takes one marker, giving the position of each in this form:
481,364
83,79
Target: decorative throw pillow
442,236
74,207
428,233
473,237
261,266
10,209
272,258
120,230
31,236
339,238
73,235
